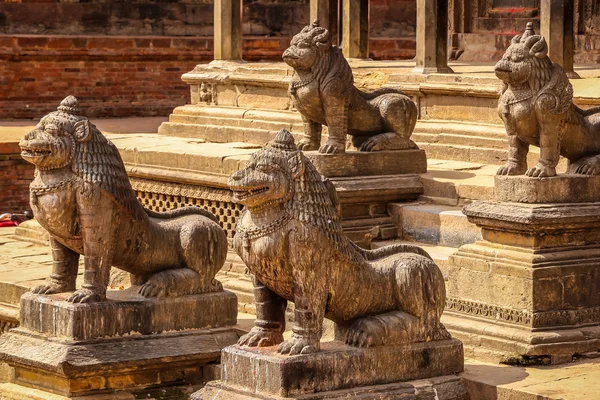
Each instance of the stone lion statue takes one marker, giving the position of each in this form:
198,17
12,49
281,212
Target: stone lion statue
82,196
291,239
323,90
537,108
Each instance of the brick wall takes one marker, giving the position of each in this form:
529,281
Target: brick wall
15,176
126,58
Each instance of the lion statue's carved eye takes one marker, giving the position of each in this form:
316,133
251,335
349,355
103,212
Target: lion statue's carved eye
51,129
265,167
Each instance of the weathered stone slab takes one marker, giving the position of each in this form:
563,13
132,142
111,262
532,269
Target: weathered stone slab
536,225
362,163
337,366
125,312
558,189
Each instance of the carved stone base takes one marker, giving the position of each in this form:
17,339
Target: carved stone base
532,285
363,202
366,182
124,344
340,371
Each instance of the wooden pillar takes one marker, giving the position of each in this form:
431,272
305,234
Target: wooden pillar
355,26
326,12
556,23
228,29
432,37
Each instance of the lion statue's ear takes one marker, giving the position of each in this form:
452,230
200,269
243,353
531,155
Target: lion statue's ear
296,163
83,130
322,39
537,46
516,39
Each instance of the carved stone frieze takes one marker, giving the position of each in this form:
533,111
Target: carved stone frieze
536,320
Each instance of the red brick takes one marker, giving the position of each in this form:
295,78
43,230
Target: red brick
60,43
32,42
161,43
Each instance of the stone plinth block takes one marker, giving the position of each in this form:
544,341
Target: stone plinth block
125,312
124,344
339,371
558,189
363,163
532,285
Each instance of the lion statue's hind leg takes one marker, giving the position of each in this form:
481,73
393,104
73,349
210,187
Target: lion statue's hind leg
420,300
203,253
585,166
399,115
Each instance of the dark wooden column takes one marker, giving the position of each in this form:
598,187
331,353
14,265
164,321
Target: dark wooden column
355,26
228,29
556,23
432,37
326,11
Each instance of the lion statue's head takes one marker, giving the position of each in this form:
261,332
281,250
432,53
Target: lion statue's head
306,46
53,142
525,60
64,139
280,176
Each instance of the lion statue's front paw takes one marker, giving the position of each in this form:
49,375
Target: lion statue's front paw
512,169
260,337
299,345
52,288
541,171
86,296
308,144
333,147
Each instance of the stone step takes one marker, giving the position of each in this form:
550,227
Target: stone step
257,124
461,140
467,153
463,128
434,224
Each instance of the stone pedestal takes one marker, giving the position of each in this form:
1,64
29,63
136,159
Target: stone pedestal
366,182
126,344
415,371
531,287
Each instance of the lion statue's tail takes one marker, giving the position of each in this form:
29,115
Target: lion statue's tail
180,212
371,94
377,254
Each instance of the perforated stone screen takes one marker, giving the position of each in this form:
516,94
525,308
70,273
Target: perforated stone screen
164,196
